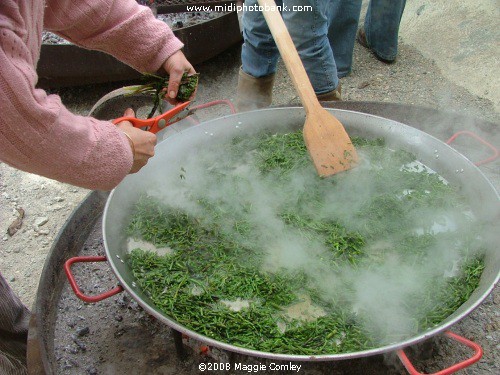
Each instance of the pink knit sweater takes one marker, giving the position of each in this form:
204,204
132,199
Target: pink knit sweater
37,133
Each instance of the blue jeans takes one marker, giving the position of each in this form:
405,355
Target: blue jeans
382,27
308,29
343,19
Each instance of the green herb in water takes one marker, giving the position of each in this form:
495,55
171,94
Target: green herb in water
217,282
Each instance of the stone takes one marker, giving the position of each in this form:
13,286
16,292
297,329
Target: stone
40,221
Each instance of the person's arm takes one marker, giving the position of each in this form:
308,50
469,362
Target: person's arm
39,135
128,31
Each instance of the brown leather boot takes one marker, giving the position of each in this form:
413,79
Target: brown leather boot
253,93
332,95
361,38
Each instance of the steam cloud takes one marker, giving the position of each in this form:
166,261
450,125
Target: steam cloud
379,292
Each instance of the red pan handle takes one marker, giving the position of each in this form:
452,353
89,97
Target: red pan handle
76,289
494,150
478,353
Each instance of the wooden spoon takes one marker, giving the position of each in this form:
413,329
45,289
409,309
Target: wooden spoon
330,147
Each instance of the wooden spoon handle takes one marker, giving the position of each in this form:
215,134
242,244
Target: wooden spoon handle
289,55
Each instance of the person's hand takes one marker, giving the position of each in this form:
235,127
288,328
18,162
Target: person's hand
142,142
176,65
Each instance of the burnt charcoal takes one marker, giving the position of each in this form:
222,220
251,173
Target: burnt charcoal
70,363
118,318
83,331
79,343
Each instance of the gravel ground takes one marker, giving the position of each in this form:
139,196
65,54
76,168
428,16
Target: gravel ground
47,204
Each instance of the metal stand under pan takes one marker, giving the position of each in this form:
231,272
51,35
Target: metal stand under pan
68,336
